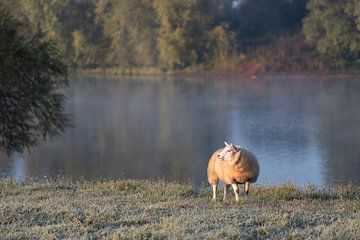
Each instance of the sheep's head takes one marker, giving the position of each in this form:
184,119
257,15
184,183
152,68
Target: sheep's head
228,152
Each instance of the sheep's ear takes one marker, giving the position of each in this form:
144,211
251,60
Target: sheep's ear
226,144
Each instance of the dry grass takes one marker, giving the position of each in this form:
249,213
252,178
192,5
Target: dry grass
127,209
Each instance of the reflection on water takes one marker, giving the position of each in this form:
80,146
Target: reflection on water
303,129
17,166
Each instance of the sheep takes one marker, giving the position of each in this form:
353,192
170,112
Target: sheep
233,165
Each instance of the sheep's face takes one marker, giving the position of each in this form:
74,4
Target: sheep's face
228,152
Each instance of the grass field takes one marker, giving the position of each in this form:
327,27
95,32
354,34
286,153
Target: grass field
129,209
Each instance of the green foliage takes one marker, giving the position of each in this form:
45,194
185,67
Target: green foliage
221,47
31,73
178,35
132,29
183,30
69,22
332,27
171,35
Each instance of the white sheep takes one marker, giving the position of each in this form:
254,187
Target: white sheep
233,165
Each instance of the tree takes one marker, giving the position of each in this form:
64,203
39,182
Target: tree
221,47
132,29
31,74
69,22
332,27
184,25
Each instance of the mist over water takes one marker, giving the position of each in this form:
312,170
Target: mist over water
303,129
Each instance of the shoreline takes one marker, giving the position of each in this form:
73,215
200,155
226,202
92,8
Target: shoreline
140,209
210,73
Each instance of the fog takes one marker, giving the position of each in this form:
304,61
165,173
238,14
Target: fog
302,129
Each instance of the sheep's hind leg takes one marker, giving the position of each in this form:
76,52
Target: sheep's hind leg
236,191
214,188
246,188
226,187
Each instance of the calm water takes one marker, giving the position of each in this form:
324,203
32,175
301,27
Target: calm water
303,129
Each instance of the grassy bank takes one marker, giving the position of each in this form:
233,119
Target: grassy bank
127,209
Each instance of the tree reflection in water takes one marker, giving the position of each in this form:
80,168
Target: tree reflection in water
303,129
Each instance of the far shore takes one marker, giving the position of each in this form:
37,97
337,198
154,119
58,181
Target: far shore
134,209
208,73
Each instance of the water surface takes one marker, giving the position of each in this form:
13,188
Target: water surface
303,129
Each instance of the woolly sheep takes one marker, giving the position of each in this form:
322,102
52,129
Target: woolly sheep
233,165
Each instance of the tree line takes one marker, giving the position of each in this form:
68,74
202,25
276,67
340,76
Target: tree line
207,34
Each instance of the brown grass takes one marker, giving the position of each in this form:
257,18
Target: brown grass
129,209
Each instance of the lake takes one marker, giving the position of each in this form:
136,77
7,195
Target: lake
304,129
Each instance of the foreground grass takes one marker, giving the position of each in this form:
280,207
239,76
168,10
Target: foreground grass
127,209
